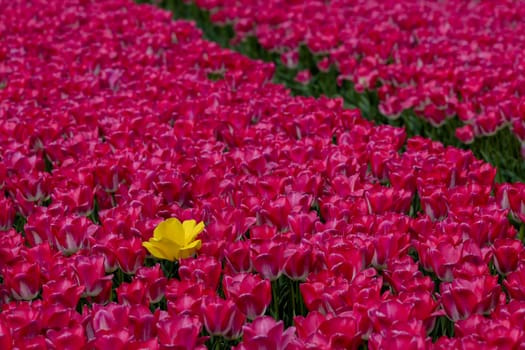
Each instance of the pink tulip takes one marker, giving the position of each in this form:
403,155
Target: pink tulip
268,259
495,333
308,325
73,234
462,298
11,245
222,317
67,338
130,255
108,318
238,256
59,316
90,273
180,332
300,260
23,280
133,293
64,292
155,280
116,339
185,297
402,335
404,275
382,249
342,331
346,260
143,323
507,255
514,283
202,270
465,134
78,200
251,294
265,332
303,77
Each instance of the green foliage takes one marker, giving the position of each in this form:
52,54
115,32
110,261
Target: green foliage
287,301
19,223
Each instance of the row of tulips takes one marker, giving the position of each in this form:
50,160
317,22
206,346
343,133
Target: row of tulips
441,59
300,224
445,71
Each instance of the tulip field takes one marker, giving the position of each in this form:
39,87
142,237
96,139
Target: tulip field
451,71
161,191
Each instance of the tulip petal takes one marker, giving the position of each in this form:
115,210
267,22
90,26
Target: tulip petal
198,229
190,249
170,229
188,226
162,249
191,230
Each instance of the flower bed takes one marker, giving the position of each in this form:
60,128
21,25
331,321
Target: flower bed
452,64
439,59
321,229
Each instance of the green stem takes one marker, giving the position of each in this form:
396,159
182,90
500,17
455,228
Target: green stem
294,302
275,301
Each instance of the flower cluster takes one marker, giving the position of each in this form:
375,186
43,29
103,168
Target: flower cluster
438,59
321,230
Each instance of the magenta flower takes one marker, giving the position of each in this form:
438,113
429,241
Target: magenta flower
222,317
23,280
251,294
265,332
462,298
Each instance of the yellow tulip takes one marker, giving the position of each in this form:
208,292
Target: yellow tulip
174,240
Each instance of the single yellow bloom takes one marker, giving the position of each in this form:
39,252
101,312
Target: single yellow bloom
175,240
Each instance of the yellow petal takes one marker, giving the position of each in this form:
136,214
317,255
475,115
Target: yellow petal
188,226
155,251
191,230
198,228
162,249
170,229
190,249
